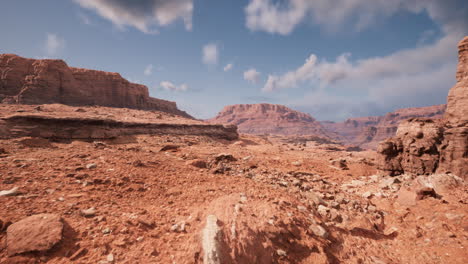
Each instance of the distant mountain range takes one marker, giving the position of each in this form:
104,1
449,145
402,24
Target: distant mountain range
365,132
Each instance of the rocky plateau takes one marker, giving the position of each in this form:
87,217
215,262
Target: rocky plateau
48,81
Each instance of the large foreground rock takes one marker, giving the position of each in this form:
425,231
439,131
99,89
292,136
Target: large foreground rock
35,233
30,81
423,146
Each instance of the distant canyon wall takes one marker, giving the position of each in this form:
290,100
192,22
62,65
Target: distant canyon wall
31,81
367,132
269,119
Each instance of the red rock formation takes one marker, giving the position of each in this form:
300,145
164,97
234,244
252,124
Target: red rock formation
454,154
269,119
30,81
425,146
367,132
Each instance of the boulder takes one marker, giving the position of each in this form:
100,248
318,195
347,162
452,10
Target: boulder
34,233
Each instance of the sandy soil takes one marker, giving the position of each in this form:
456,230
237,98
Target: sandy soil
275,202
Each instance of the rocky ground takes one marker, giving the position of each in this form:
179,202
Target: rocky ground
194,199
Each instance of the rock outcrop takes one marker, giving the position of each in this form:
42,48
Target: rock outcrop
57,121
424,146
31,81
269,119
367,132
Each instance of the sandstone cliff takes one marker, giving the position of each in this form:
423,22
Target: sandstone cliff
424,146
30,81
367,132
269,119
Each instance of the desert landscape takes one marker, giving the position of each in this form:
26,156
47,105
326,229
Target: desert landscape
95,170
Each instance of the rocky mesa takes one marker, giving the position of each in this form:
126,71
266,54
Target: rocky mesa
367,132
269,119
424,146
47,81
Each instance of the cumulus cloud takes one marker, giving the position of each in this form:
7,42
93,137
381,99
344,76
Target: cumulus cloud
379,96
252,75
282,17
210,54
169,86
54,44
148,70
145,15
402,63
415,76
228,67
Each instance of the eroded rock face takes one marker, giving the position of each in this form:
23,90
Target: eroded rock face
368,132
269,119
414,149
427,146
30,81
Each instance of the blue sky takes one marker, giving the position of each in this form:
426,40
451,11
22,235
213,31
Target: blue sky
331,58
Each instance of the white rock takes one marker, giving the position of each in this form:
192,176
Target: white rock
281,253
91,166
89,212
110,257
211,238
11,192
318,231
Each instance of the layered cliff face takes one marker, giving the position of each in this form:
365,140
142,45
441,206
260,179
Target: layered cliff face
424,146
269,119
367,132
30,81
454,154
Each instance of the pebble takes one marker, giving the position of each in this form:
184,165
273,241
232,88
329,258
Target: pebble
110,257
297,163
281,253
318,231
243,198
91,166
89,212
322,210
179,227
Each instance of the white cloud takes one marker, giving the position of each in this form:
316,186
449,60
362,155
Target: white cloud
210,54
402,63
145,15
148,70
252,75
166,85
54,44
378,97
283,17
228,67
416,76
